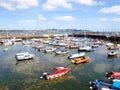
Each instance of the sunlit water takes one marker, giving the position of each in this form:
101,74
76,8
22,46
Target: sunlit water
26,75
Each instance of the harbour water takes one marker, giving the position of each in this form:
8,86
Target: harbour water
25,75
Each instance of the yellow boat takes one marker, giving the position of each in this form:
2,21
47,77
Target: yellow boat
80,60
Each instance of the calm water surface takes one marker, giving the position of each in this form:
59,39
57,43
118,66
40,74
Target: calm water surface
26,75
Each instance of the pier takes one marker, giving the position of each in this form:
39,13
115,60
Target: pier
114,38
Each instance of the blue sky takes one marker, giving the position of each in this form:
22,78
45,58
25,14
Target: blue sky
95,15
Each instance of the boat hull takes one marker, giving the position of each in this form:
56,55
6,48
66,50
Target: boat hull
74,47
60,71
80,60
112,75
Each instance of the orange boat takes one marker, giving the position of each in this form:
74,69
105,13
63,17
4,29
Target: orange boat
80,60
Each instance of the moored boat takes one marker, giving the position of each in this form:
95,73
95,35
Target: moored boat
86,48
112,75
60,71
95,45
112,53
74,47
80,60
24,56
76,55
105,85
50,49
62,52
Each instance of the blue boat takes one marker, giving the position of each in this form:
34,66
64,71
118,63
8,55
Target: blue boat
105,85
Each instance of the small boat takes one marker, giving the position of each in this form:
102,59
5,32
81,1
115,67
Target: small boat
76,55
62,44
59,71
112,75
86,48
49,49
95,45
110,46
62,52
24,56
5,49
74,47
7,42
80,60
26,42
105,85
112,53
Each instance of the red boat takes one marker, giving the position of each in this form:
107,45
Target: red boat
112,75
74,47
60,71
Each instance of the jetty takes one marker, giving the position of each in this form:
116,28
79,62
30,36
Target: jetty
101,36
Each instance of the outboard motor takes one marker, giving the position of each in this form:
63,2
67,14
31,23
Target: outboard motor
44,75
108,74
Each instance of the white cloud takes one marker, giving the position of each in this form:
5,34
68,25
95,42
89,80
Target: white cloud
103,19
23,4
65,18
41,17
18,4
53,4
110,19
113,9
6,5
89,2
116,19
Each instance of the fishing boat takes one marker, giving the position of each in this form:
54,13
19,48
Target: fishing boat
80,60
112,53
59,71
105,85
76,55
112,75
24,56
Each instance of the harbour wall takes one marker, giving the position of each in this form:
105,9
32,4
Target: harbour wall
113,38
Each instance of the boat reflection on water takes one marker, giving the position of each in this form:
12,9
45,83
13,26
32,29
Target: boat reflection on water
111,57
24,61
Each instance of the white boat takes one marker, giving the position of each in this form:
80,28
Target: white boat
76,55
95,45
5,49
24,56
7,42
63,44
62,52
50,49
26,42
86,48
112,53
110,46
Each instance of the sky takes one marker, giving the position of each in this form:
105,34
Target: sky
94,15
